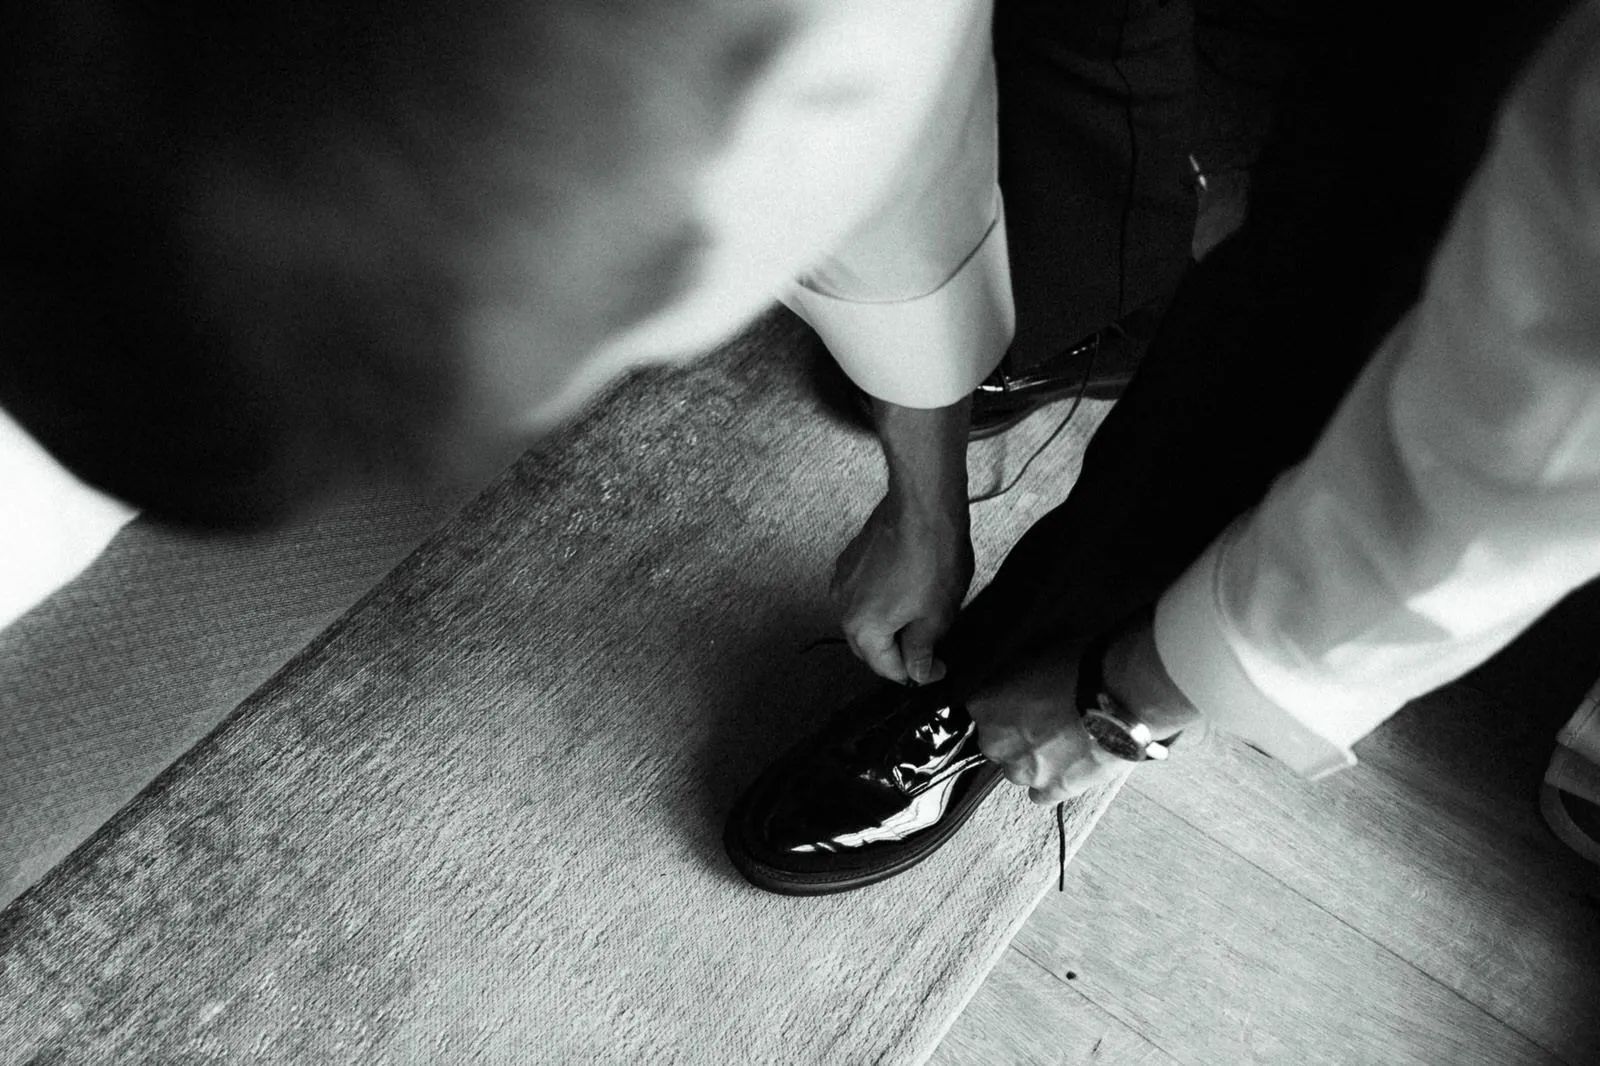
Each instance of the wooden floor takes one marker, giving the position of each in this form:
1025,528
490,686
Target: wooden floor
1413,910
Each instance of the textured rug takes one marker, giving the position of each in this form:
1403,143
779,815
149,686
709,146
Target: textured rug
118,674
478,818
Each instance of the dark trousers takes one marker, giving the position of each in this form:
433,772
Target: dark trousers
1371,145
1096,121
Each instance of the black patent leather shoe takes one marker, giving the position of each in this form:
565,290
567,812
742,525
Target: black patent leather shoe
880,789
1099,367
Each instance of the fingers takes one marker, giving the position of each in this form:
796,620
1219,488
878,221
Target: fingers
880,651
1045,788
1075,782
899,592
916,651
902,657
1053,768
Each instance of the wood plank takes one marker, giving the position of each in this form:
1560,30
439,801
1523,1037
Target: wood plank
1479,755
1475,896
1024,1016
1214,961
1480,746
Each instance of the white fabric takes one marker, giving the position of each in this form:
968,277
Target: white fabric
959,331
1455,496
864,159
51,524
864,162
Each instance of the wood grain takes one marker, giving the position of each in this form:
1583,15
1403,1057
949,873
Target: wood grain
1025,1016
394,852
1215,961
1485,903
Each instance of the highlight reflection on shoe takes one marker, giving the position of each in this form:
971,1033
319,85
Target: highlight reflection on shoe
925,766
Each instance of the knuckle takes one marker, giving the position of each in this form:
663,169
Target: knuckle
874,638
885,665
1016,774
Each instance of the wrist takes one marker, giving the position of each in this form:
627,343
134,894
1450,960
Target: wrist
925,452
1135,676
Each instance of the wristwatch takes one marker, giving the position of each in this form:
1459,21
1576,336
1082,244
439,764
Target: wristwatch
1117,730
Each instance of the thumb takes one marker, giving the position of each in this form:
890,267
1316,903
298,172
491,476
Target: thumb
916,649
879,651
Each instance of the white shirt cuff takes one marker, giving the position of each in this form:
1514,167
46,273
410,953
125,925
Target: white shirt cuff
1193,639
929,351
52,525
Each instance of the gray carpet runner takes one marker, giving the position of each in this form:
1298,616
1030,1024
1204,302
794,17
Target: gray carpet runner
478,818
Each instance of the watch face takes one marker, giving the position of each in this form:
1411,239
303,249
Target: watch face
1113,736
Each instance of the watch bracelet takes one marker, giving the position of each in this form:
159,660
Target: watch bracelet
1092,679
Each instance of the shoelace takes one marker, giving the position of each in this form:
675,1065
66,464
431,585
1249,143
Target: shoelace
1077,401
1061,808
1061,839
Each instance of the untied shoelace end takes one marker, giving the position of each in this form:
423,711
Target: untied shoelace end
1061,840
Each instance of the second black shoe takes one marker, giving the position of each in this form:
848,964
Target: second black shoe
1098,367
883,787
1006,397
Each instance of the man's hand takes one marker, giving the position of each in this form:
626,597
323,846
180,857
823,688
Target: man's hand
901,580
1028,723
1028,720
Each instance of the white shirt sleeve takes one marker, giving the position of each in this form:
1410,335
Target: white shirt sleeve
1455,495
915,303
859,184
51,524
